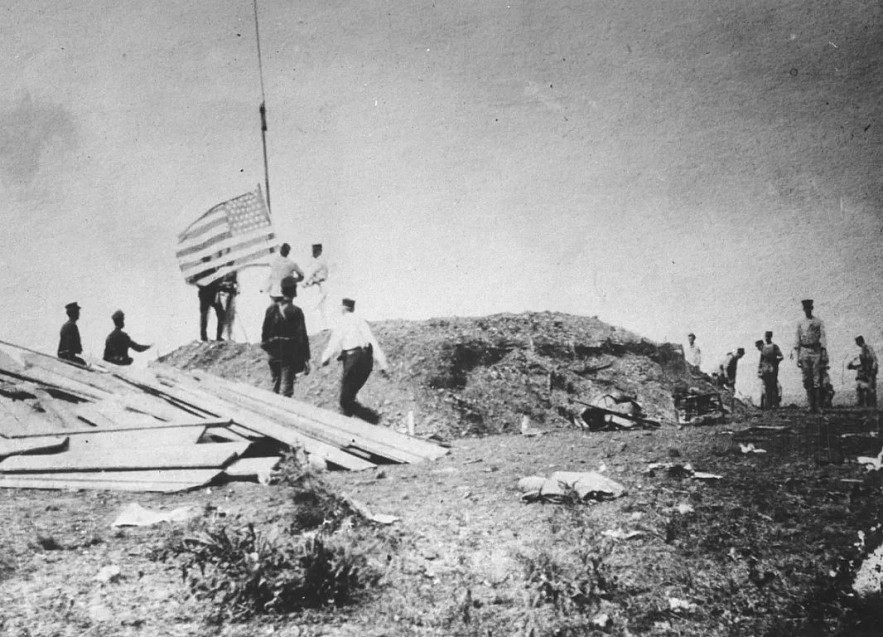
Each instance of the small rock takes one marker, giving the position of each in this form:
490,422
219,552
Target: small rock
602,621
110,573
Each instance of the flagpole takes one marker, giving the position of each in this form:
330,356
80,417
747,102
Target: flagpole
263,108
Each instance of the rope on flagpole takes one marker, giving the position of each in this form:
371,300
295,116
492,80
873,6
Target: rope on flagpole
263,107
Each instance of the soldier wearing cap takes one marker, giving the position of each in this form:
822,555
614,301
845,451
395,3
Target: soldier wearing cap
69,345
358,350
811,347
117,344
768,370
865,365
284,338
693,354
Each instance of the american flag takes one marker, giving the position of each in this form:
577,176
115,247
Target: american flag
232,235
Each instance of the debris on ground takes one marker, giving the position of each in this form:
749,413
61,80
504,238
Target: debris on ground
695,407
564,485
750,448
133,514
527,430
615,411
66,426
468,376
678,470
870,463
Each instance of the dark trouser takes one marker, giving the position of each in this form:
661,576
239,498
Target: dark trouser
208,298
357,366
283,377
770,390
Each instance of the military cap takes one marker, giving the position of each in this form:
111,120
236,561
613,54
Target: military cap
317,246
768,333
758,343
350,303
72,306
807,302
118,315
691,334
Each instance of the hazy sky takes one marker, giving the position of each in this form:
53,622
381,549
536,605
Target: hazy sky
668,167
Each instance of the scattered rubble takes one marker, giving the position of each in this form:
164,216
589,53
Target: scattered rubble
477,376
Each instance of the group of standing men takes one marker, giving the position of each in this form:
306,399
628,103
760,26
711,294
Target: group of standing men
116,345
811,351
284,334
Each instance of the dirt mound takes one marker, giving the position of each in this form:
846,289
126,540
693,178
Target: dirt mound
474,376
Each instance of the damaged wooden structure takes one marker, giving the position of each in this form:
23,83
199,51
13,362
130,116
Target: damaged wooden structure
64,426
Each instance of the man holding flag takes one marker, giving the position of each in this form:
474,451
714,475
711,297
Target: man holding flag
233,235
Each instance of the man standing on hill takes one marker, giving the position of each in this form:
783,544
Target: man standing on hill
866,374
284,338
358,350
770,357
727,369
693,354
69,345
208,299
281,267
116,347
317,273
811,346
228,289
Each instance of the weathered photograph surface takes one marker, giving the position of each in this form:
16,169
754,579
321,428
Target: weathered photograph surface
461,318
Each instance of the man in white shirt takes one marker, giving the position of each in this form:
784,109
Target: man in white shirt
692,352
281,267
317,274
358,349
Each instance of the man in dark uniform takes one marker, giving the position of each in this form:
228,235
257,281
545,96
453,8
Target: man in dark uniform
208,299
116,347
69,345
284,338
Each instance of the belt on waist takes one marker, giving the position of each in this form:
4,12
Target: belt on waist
353,350
811,346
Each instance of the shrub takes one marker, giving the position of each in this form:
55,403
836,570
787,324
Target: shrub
243,573
573,584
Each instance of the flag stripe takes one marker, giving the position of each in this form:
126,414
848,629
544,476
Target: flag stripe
231,246
231,235
207,276
218,220
204,220
208,243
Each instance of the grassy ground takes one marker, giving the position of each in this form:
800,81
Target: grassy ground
768,549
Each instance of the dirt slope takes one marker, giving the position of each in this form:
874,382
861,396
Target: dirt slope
465,376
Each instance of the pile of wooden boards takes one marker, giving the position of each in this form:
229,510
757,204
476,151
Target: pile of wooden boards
63,426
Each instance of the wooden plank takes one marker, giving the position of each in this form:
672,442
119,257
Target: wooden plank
11,447
57,410
354,427
157,438
325,430
93,377
269,428
162,481
160,425
260,468
311,428
56,381
104,458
